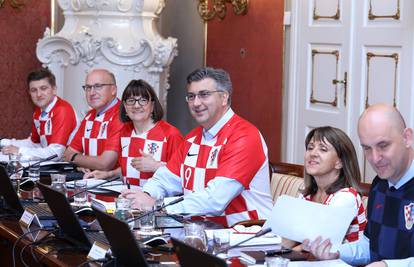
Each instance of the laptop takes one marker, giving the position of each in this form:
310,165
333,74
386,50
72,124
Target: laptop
13,202
68,222
123,244
189,256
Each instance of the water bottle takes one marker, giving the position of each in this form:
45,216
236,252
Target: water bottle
13,167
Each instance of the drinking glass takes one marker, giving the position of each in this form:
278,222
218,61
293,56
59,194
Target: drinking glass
276,262
221,239
123,211
59,182
147,223
80,192
195,236
34,172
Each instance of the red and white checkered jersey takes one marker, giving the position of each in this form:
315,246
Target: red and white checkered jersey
97,134
238,152
161,142
56,126
357,226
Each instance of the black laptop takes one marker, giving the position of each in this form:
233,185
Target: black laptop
123,244
189,256
68,222
13,202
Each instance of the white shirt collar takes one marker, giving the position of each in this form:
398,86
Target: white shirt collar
210,133
407,177
50,106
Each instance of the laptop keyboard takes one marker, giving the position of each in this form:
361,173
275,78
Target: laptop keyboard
41,210
97,236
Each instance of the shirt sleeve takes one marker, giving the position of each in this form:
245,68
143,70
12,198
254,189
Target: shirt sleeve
408,262
173,143
64,122
38,152
355,253
114,131
76,143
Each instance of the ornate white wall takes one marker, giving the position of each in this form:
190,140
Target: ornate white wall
119,35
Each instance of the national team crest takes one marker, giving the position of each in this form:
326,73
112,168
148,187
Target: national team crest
48,128
213,156
102,130
409,215
153,148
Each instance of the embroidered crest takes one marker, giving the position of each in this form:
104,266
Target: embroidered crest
213,156
409,215
102,130
152,148
48,128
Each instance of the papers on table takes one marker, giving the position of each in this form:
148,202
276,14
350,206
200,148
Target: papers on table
328,263
268,239
298,219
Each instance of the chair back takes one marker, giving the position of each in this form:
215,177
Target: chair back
283,184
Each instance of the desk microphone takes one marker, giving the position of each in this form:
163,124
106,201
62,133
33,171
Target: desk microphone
34,164
71,198
175,201
258,234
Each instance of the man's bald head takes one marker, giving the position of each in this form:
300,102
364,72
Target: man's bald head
386,141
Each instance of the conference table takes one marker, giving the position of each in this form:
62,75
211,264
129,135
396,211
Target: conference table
54,251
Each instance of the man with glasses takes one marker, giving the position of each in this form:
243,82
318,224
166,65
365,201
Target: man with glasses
54,120
222,165
95,144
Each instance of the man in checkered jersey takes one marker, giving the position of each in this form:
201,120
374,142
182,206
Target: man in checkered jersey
54,120
221,167
95,144
389,236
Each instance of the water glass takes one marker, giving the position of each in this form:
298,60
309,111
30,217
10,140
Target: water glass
195,236
14,171
221,239
59,183
147,223
123,211
80,192
277,262
34,172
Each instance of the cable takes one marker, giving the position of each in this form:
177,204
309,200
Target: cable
91,261
17,241
34,243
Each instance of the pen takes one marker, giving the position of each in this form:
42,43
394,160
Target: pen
128,185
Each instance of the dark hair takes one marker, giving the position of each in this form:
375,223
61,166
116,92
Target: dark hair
40,74
143,89
220,77
349,175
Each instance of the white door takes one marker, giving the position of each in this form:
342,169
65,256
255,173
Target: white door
347,55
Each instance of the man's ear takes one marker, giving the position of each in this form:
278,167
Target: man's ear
408,137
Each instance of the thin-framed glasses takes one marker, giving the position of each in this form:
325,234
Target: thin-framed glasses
96,87
141,101
202,95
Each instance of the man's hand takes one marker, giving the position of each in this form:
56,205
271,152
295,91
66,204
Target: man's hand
97,175
138,198
10,150
320,250
377,264
145,163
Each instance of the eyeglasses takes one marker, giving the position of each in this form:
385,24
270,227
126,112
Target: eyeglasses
96,87
141,101
202,95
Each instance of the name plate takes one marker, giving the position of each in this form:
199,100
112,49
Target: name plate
28,218
98,251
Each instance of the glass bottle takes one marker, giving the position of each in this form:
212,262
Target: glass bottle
14,170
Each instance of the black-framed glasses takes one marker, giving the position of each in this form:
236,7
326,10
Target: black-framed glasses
141,101
96,87
202,95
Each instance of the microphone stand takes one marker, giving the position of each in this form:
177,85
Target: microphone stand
258,234
71,198
155,210
34,164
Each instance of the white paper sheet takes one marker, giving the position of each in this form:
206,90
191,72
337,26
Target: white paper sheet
298,219
328,263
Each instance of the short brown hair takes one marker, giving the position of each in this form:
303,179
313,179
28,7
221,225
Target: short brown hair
40,74
143,89
349,175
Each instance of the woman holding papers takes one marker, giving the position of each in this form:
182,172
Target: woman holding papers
146,142
332,175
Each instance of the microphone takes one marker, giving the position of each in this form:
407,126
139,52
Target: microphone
258,234
34,164
175,201
71,198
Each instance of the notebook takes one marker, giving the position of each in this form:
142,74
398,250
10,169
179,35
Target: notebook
68,222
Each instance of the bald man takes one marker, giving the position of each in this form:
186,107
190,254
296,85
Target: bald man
95,144
389,236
